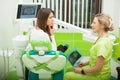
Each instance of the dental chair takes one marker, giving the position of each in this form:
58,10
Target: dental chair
42,60
118,70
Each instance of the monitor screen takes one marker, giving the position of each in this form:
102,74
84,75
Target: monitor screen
27,11
74,56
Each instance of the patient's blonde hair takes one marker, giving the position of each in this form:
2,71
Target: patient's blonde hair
106,21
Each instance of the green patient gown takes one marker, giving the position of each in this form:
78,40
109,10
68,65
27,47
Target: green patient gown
102,47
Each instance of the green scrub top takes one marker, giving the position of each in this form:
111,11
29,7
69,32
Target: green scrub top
102,47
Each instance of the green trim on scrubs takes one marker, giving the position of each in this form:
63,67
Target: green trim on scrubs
102,47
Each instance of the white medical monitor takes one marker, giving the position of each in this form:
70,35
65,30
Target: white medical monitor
27,11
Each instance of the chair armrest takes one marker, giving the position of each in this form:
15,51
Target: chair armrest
118,70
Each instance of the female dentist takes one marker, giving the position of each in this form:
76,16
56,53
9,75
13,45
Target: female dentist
98,68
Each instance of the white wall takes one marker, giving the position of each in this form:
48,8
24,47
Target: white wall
8,26
7,11
111,7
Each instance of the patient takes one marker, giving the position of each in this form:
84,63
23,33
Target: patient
44,30
98,68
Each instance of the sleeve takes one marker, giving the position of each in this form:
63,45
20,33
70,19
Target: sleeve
102,49
54,47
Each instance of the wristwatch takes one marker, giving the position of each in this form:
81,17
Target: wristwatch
82,71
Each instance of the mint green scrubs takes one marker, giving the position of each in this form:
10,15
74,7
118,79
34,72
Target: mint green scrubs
102,47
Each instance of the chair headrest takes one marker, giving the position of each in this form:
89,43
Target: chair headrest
43,45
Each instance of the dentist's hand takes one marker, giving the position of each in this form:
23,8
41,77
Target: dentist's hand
77,70
81,64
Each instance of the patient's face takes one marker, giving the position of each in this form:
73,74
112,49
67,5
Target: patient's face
50,20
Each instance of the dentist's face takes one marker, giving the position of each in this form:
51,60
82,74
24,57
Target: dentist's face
96,26
50,20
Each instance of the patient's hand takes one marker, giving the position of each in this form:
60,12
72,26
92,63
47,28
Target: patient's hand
51,30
